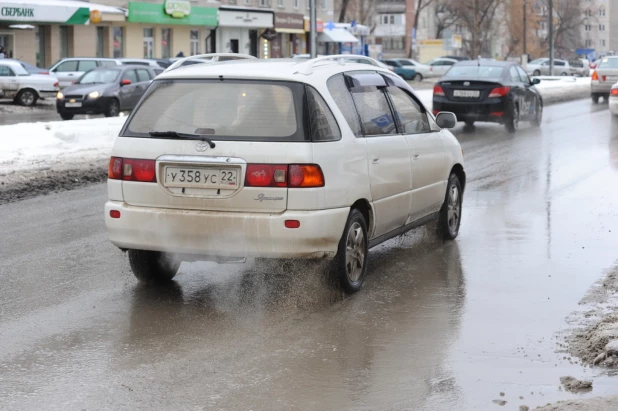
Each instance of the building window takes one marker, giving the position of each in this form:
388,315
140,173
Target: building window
100,41
588,43
297,3
392,19
148,43
247,2
601,12
195,42
280,3
64,41
118,39
587,27
601,27
166,43
324,4
264,3
543,25
601,43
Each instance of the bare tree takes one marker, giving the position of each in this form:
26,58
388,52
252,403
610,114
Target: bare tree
445,17
477,17
363,11
569,19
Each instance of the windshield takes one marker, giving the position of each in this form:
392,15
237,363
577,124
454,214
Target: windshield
481,72
233,110
99,77
609,63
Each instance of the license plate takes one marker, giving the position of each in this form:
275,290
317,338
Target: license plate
466,93
201,177
612,78
72,105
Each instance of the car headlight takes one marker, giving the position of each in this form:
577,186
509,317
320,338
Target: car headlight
94,95
59,95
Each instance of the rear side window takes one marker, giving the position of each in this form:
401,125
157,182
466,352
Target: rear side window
87,65
514,75
374,111
239,110
67,66
322,122
106,63
340,93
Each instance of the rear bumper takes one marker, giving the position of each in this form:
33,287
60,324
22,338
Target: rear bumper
494,112
601,88
226,234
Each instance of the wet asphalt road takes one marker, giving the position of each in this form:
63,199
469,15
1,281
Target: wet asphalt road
438,326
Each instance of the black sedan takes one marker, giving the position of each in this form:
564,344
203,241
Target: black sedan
105,90
492,91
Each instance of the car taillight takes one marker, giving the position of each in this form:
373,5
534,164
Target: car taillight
278,175
595,76
438,91
56,84
499,92
614,92
130,169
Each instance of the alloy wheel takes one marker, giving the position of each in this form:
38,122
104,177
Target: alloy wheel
355,252
453,209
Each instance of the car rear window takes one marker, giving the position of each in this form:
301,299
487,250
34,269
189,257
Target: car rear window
609,63
481,72
225,110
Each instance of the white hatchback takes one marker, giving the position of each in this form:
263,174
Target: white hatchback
279,160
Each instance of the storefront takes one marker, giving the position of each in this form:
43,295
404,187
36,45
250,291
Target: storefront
344,38
41,31
290,35
240,30
163,30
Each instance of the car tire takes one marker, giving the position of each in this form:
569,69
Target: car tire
512,122
538,117
26,97
595,98
350,263
606,98
536,73
152,267
450,213
67,116
564,74
113,108
418,77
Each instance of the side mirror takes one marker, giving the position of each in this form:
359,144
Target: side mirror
536,81
446,119
125,82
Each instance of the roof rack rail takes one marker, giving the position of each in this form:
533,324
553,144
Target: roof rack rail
213,56
306,68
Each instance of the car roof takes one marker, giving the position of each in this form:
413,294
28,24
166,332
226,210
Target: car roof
9,62
486,63
275,69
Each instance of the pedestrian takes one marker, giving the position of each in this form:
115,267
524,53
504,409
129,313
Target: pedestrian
2,53
181,54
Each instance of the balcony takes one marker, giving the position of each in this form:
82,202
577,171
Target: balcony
394,7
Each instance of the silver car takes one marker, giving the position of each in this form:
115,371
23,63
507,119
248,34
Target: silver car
70,69
540,67
603,78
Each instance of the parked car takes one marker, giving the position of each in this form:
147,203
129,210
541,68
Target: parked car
613,100
579,67
70,69
540,67
458,58
30,68
603,78
105,90
24,88
422,70
268,159
153,63
491,91
406,72
440,66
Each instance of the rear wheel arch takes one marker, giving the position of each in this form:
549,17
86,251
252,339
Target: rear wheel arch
366,210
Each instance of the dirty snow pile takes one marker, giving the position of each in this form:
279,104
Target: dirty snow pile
595,340
40,146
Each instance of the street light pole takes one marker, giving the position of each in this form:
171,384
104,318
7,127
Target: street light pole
551,37
313,29
525,27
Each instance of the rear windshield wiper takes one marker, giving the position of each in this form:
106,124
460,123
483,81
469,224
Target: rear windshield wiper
175,134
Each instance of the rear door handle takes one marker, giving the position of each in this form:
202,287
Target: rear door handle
375,160
415,156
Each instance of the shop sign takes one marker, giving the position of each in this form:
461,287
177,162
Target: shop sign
173,12
228,18
289,21
319,24
43,13
95,16
177,8
431,43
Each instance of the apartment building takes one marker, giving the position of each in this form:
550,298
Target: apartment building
600,26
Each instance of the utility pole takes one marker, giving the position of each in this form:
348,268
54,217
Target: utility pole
551,37
314,29
525,27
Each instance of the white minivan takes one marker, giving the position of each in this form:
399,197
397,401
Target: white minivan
317,159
